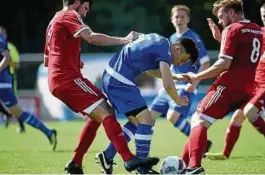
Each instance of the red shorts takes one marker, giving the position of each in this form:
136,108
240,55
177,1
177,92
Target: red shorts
80,95
222,99
258,99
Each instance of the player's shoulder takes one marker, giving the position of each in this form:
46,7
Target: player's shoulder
243,24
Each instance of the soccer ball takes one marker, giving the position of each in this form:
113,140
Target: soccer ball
172,165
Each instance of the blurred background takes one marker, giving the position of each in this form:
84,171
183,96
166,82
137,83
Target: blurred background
26,22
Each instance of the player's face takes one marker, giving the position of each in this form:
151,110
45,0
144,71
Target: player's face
180,18
179,55
262,15
224,17
83,9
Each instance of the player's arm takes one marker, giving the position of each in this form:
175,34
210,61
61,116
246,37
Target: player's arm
14,55
106,40
215,30
6,61
169,85
216,69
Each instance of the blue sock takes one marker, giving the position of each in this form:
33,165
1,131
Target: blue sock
35,122
183,125
129,130
143,137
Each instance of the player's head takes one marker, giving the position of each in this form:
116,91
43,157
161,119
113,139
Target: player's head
81,6
184,50
262,13
228,11
3,31
180,16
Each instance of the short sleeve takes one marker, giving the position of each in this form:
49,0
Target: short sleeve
228,44
162,51
74,23
3,44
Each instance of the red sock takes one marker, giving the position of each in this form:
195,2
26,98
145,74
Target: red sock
197,144
185,153
86,138
259,124
231,137
116,136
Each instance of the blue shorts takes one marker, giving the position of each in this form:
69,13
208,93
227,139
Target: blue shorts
8,97
123,98
162,103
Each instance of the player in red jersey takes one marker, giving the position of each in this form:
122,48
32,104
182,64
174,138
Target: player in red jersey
62,56
240,51
254,108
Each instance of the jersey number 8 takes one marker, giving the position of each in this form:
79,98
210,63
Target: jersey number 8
255,50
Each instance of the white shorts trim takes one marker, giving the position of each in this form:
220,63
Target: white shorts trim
197,118
208,118
93,106
118,76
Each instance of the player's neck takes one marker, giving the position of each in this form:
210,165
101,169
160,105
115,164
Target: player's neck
68,8
180,30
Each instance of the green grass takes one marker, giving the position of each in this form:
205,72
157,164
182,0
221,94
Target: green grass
31,153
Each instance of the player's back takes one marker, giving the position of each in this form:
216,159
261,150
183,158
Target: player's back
63,48
5,76
143,54
241,42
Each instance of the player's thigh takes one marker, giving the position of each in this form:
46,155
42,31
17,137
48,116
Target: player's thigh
123,98
219,101
80,95
10,100
160,105
255,104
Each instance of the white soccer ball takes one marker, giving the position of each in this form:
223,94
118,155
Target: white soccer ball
172,165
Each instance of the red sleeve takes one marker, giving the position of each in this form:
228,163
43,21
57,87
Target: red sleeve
74,23
228,44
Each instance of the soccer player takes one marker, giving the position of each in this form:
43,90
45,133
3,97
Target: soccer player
162,104
154,54
10,100
13,66
253,110
240,51
62,56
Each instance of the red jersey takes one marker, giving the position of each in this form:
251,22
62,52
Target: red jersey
63,48
241,42
260,72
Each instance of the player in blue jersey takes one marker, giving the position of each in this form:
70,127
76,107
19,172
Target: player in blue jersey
153,54
162,104
8,97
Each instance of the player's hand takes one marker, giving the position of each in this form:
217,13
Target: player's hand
190,77
214,29
132,36
179,77
183,101
81,64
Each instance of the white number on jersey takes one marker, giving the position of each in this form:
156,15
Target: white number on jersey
255,50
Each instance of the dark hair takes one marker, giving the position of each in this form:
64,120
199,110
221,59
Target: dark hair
190,47
70,2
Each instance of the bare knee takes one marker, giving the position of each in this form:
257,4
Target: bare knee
173,116
250,111
101,111
15,111
145,117
238,117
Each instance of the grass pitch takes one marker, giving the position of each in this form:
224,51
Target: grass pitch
30,153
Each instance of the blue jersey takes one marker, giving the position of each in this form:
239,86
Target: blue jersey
203,57
141,55
5,77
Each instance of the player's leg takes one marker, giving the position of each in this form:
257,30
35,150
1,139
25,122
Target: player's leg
6,113
93,105
21,126
213,106
10,99
231,137
252,110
